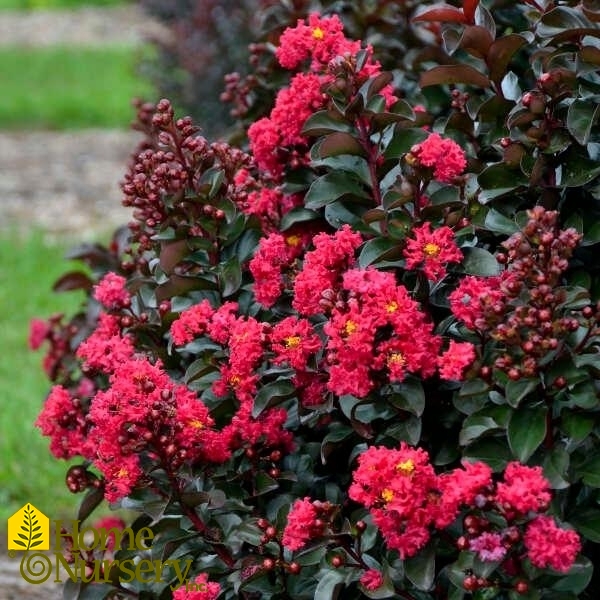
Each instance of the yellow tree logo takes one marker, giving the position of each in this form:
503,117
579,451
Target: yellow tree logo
29,528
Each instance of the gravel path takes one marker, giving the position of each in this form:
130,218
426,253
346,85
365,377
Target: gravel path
67,182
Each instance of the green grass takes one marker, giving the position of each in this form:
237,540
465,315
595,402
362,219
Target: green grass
28,473
54,4
69,88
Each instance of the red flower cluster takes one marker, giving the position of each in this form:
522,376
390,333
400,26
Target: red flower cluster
323,267
144,412
320,40
357,348
200,589
306,521
63,420
408,501
551,546
112,293
431,250
443,155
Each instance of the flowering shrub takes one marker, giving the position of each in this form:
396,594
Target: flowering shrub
359,356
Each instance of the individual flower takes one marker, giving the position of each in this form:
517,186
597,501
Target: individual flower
323,267
38,332
489,546
294,341
191,323
477,301
371,579
63,421
111,292
443,155
548,545
458,357
303,525
431,250
198,589
273,256
106,348
524,489
321,40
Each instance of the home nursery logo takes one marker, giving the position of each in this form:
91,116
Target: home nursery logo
88,554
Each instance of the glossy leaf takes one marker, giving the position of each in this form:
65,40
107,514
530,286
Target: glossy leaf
500,54
330,187
340,143
452,74
324,122
526,431
478,261
581,117
377,249
441,12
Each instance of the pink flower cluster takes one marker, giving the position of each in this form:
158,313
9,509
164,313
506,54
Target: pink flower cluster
144,413
111,292
306,521
443,155
199,589
408,501
276,141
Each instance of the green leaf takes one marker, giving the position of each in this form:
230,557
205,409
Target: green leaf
499,179
420,569
337,434
491,451
515,391
495,221
230,277
581,116
264,483
478,261
576,425
587,522
475,426
330,187
590,471
526,431
578,577
331,584
402,141
450,74
271,393
297,215
379,248
577,170
409,396
408,431
556,466
324,122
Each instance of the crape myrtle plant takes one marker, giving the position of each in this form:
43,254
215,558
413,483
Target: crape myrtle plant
356,355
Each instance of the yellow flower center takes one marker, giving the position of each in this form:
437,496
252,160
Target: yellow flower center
292,240
318,33
292,342
350,327
396,358
406,467
235,380
387,495
196,424
392,307
431,249
123,472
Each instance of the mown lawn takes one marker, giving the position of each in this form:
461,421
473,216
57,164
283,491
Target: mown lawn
28,473
54,4
66,88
